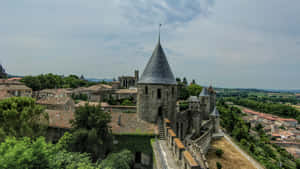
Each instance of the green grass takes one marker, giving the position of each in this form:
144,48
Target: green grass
134,143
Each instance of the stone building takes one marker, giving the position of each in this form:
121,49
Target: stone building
10,88
157,92
129,81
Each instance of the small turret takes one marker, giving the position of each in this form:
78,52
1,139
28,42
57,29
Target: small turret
215,116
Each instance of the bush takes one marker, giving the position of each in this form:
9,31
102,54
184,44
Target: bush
127,102
122,160
219,152
219,165
298,163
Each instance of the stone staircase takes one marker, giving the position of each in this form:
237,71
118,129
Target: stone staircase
161,129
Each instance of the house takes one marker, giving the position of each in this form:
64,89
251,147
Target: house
57,102
125,93
10,88
95,93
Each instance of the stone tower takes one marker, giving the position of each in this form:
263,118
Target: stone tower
157,92
136,76
205,103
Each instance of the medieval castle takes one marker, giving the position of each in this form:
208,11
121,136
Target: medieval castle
193,128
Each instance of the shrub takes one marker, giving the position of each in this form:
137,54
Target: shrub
219,152
219,165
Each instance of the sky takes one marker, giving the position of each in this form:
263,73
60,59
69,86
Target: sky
232,43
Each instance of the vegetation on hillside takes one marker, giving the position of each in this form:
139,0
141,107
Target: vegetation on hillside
266,107
259,146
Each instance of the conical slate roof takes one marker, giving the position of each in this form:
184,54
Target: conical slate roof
215,112
158,70
204,92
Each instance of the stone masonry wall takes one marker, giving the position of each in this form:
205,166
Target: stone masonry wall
148,105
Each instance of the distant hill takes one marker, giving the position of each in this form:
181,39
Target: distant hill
98,80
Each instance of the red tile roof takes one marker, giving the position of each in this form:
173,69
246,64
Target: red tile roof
179,143
129,123
190,159
59,118
269,116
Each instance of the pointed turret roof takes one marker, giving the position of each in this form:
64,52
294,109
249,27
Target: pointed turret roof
215,112
204,92
158,70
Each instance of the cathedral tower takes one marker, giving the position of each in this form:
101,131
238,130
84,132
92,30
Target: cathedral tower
157,92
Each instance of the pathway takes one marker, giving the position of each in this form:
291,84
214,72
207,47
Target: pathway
163,155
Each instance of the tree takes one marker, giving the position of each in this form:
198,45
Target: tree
184,81
219,152
31,154
121,160
51,81
20,116
91,132
194,89
298,163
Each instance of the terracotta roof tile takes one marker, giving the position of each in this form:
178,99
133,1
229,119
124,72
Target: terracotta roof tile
190,159
171,132
179,143
129,123
167,120
59,118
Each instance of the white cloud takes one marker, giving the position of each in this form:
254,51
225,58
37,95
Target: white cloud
231,43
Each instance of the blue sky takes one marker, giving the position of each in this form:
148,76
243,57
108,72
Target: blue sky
232,43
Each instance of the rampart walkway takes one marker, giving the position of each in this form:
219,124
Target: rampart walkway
163,156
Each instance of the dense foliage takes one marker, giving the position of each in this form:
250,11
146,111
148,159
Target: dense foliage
31,154
20,116
134,142
121,160
185,90
258,145
91,132
266,107
51,81
84,148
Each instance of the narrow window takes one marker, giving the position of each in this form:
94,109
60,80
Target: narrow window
146,90
181,131
173,91
158,93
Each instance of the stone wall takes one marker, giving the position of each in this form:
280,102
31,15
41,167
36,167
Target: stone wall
119,108
149,105
182,155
